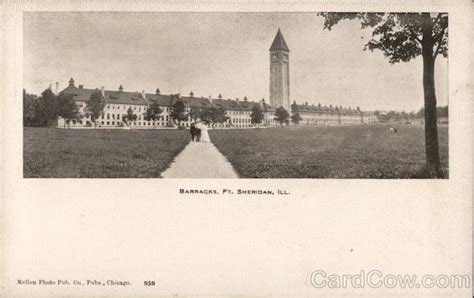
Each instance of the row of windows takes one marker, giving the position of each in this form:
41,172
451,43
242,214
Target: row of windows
125,107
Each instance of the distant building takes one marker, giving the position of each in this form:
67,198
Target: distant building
370,117
324,115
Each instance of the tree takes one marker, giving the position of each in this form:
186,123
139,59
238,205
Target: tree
401,37
178,111
66,107
95,106
218,115
153,112
281,115
30,103
130,115
296,118
46,108
256,117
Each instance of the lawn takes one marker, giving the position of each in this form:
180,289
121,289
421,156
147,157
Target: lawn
74,153
368,151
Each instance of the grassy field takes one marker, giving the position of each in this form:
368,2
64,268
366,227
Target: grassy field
329,152
303,152
74,153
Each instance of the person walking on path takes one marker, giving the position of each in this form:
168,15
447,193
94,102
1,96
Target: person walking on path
195,132
203,126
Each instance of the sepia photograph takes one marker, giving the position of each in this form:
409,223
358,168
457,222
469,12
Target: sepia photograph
235,95
236,148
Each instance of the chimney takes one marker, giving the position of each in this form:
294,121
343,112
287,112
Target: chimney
349,108
191,94
157,91
358,108
120,88
102,91
81,86
143,94
57,88
245,98
220,96
71,82
263,100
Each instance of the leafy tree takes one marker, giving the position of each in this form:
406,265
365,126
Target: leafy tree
66,107
296,118
130,116
219,115
401,37
153,112
256,117
441,112
95,105
281,115
178,111
30,103
46,108
214,114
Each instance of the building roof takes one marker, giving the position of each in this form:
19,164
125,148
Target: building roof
118,97
248,105
227,104
325,109
279,43
267,107
195,102
124,97
80,94
163,100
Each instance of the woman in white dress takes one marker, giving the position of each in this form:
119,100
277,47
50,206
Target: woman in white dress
203,126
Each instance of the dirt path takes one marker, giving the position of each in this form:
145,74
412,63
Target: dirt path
200,160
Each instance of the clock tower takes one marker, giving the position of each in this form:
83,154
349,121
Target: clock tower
280,73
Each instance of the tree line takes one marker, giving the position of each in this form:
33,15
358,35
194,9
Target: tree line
396,116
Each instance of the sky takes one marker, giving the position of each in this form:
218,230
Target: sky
219,53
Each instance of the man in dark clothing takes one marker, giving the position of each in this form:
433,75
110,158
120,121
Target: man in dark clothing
195,133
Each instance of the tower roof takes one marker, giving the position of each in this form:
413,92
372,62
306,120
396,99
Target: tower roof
279,42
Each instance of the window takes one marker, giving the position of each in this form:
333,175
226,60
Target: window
108,116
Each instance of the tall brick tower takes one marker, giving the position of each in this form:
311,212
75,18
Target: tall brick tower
280,73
